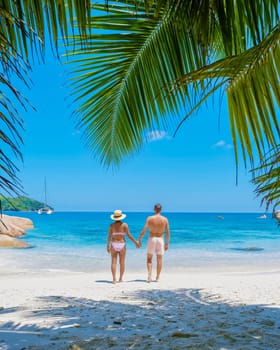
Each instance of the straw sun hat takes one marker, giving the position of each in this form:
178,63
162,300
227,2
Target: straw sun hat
118,215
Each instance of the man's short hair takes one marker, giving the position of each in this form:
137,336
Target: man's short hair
157,206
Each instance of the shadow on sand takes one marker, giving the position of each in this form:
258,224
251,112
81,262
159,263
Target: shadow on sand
147,319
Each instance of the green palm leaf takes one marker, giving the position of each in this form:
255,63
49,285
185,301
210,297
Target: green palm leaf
267,179
24,27
251,80
26,24
119,77
143,70
10,120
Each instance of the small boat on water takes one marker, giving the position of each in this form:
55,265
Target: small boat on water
263,216
46,209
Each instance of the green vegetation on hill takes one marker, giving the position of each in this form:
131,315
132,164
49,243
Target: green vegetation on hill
20,204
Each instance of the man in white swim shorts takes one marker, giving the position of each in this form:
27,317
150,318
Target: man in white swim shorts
157,224
155,246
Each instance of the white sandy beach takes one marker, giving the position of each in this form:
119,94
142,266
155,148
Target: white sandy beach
187,310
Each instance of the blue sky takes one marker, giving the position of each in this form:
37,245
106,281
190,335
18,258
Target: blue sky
193,172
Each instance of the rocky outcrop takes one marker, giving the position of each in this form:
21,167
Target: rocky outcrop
11,242
12,227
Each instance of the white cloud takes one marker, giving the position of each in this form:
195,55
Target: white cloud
222,144
157,135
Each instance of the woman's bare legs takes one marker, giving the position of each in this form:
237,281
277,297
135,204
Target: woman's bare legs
114,256
122,263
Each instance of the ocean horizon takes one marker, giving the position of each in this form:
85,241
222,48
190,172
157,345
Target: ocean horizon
76,241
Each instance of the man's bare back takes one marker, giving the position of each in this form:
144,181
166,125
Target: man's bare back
157,225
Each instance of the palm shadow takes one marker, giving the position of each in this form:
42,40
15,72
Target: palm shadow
156,319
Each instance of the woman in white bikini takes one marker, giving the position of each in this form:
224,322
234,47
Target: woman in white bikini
116,243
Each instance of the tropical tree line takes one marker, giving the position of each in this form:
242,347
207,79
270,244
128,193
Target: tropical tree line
20,203
142,64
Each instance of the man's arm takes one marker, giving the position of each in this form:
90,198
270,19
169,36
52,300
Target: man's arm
167,232
142,233
129,235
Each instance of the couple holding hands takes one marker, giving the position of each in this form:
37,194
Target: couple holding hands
116,245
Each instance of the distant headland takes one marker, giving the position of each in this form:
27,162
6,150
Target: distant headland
20,203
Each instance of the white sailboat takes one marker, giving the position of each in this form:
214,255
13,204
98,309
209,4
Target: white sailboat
45,209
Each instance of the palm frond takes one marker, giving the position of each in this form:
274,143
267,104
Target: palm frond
11,141
117,78
251,80
144,69
267,179
11,122
24,27
27,24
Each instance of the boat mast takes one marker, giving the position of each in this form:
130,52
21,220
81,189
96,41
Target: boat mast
45,186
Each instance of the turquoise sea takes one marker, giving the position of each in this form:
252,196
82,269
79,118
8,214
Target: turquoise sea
76,241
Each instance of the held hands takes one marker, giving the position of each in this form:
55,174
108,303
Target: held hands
138,244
